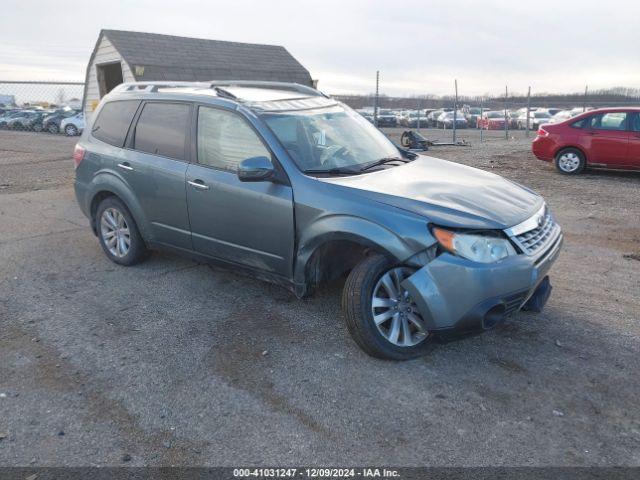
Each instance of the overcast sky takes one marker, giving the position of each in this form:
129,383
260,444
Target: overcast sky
418,46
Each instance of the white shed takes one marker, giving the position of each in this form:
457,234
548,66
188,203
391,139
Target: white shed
121,56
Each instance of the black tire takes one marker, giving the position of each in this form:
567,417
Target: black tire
563,170
53,128
138,251
37,127
71,130
356,308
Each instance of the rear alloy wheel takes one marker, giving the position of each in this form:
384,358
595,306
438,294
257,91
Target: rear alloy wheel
570,161
380,314
118,233
37,127
71,130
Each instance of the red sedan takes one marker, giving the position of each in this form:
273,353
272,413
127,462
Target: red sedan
491,121
604,138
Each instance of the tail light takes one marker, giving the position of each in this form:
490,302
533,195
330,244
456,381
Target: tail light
542,132
78,154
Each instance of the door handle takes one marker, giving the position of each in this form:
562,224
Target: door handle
125,166
198,184
592,133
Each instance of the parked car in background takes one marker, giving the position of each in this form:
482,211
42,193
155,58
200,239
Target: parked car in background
51,123
387,118
472,114
494,120
445,120
27,120
415,119
73,125
9,115
539,118
536,118
561,116
432,118
604,138
304,196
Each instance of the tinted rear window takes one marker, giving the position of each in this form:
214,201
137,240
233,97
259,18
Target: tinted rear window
161,129
113,121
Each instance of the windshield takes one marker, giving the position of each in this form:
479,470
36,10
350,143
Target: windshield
495,115
541,115
333,138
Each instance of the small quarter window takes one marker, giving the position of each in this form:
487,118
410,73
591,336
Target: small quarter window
113,121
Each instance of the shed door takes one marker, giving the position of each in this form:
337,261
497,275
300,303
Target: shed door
109,77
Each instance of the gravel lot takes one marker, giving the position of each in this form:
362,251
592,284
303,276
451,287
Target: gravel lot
177,363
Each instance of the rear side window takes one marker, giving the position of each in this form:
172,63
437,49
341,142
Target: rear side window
636,123
161,129
113,121
609,121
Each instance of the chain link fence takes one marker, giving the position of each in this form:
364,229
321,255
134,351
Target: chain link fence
55,107
50,107
504,115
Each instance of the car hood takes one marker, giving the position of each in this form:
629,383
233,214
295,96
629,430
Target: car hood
447,193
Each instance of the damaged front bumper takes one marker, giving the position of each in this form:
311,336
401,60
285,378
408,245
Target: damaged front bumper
457,296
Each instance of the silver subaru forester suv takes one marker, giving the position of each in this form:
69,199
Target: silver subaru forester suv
282,182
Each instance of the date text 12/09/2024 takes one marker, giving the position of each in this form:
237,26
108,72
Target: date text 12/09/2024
315,473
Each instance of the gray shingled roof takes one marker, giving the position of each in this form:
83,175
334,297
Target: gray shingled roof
167,57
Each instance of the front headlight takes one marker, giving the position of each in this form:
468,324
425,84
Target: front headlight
475,247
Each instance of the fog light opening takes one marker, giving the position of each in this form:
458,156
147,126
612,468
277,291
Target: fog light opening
493,317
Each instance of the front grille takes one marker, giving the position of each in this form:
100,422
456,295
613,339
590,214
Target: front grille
534,240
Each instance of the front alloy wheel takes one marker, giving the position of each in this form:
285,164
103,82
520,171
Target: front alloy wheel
380,314
394,312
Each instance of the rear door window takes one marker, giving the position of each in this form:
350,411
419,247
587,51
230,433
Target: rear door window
162,129
609,121
113,121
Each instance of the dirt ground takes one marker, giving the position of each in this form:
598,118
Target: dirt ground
177,363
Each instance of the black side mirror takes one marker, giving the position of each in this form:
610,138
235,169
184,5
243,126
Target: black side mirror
255,169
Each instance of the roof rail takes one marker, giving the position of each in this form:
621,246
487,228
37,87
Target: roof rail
296,87
217,85
155,86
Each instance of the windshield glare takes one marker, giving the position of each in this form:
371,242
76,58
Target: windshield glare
331,138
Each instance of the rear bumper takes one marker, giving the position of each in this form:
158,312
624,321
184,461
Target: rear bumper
543,148
457,296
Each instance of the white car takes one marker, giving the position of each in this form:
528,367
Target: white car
73,125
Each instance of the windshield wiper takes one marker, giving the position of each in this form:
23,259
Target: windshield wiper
333,171
383,161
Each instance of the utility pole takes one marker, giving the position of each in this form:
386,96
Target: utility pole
455,110
481,122
375,99
528,109
586,92
506,123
